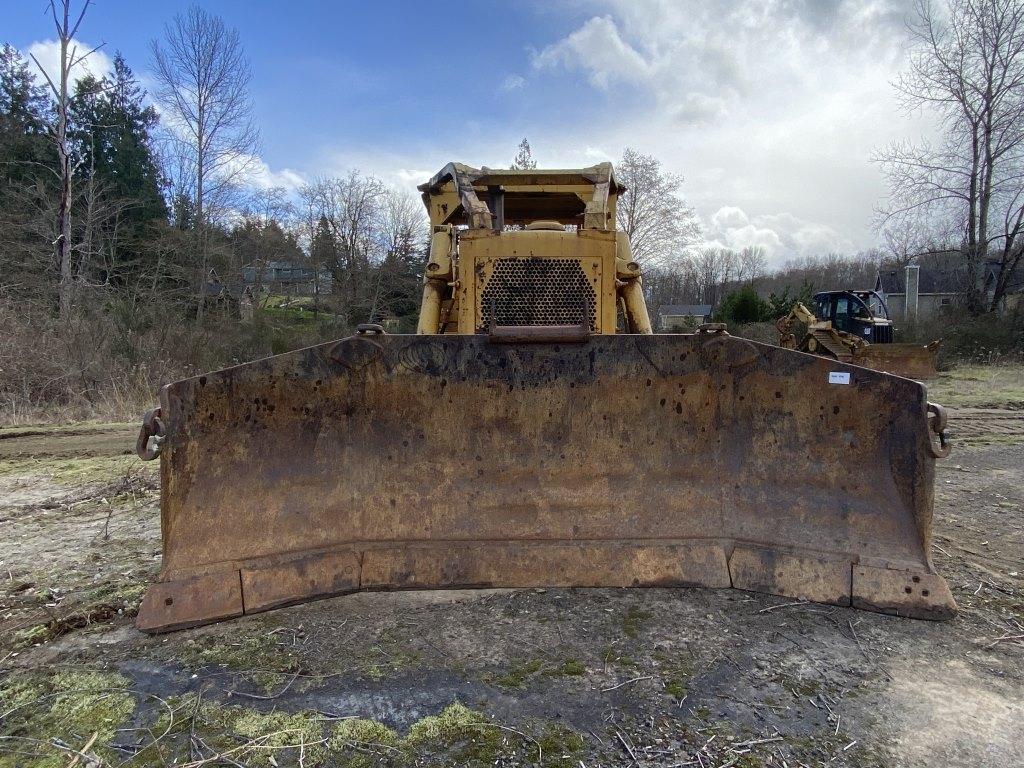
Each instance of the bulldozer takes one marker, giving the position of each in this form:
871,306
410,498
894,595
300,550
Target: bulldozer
854,327
534,432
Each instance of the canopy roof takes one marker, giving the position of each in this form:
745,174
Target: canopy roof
494,197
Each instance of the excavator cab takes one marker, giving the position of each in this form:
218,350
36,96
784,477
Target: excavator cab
851,312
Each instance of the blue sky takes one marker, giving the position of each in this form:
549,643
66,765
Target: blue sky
769,110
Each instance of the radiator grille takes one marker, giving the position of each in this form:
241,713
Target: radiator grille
537,291
883,334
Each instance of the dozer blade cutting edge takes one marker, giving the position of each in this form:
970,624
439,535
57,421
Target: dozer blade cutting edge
406,462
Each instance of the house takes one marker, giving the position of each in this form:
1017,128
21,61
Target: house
287,278
678,317
934,280
231,297
1013,298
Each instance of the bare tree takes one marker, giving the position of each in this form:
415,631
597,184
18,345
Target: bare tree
403,227
967,67
70,57
656,219
751,263
351,206
203,78
714,268
524,158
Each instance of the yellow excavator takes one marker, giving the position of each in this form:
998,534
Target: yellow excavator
847,329
535,432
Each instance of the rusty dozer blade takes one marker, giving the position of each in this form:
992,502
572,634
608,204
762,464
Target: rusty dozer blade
393,462
915,361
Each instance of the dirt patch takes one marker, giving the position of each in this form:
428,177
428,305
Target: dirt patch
510,677
79,531
954,711
70,442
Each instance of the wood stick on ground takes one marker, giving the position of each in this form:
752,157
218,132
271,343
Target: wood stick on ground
625,744
627,682
783,605
272,696
83,750
754,742
857,639
1004,637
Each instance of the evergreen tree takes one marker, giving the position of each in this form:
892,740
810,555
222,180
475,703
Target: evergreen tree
524,158
24,118
111,131
27,178
324,248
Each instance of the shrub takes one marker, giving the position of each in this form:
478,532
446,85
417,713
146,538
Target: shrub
743,306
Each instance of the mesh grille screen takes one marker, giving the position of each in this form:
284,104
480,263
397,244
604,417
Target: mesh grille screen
537,291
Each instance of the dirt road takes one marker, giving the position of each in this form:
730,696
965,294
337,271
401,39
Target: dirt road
553,677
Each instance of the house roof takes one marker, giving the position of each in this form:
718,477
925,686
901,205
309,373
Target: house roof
275,264
213,287
1015,283
685,310
940,272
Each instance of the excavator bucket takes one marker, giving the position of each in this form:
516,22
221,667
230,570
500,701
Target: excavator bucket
915,361
440,461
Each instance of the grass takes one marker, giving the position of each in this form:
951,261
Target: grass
87,469
980,386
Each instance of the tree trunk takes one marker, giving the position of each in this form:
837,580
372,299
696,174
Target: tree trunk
63,246
204,267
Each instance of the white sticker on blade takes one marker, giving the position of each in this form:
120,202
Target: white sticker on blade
838,377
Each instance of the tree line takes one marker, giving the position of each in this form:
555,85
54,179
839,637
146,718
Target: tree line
133,228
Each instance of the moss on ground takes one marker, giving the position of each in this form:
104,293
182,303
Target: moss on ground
676,671
612,656
557,746
799,687
521,672
362,743
518,673
455,736
633,621
570,667
259,658
382,661
46,718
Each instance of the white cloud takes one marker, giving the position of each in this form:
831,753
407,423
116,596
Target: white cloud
261,176
412,177
513,82
782,235
769,108
47,52
597,49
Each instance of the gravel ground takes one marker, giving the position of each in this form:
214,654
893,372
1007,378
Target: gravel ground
564,677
